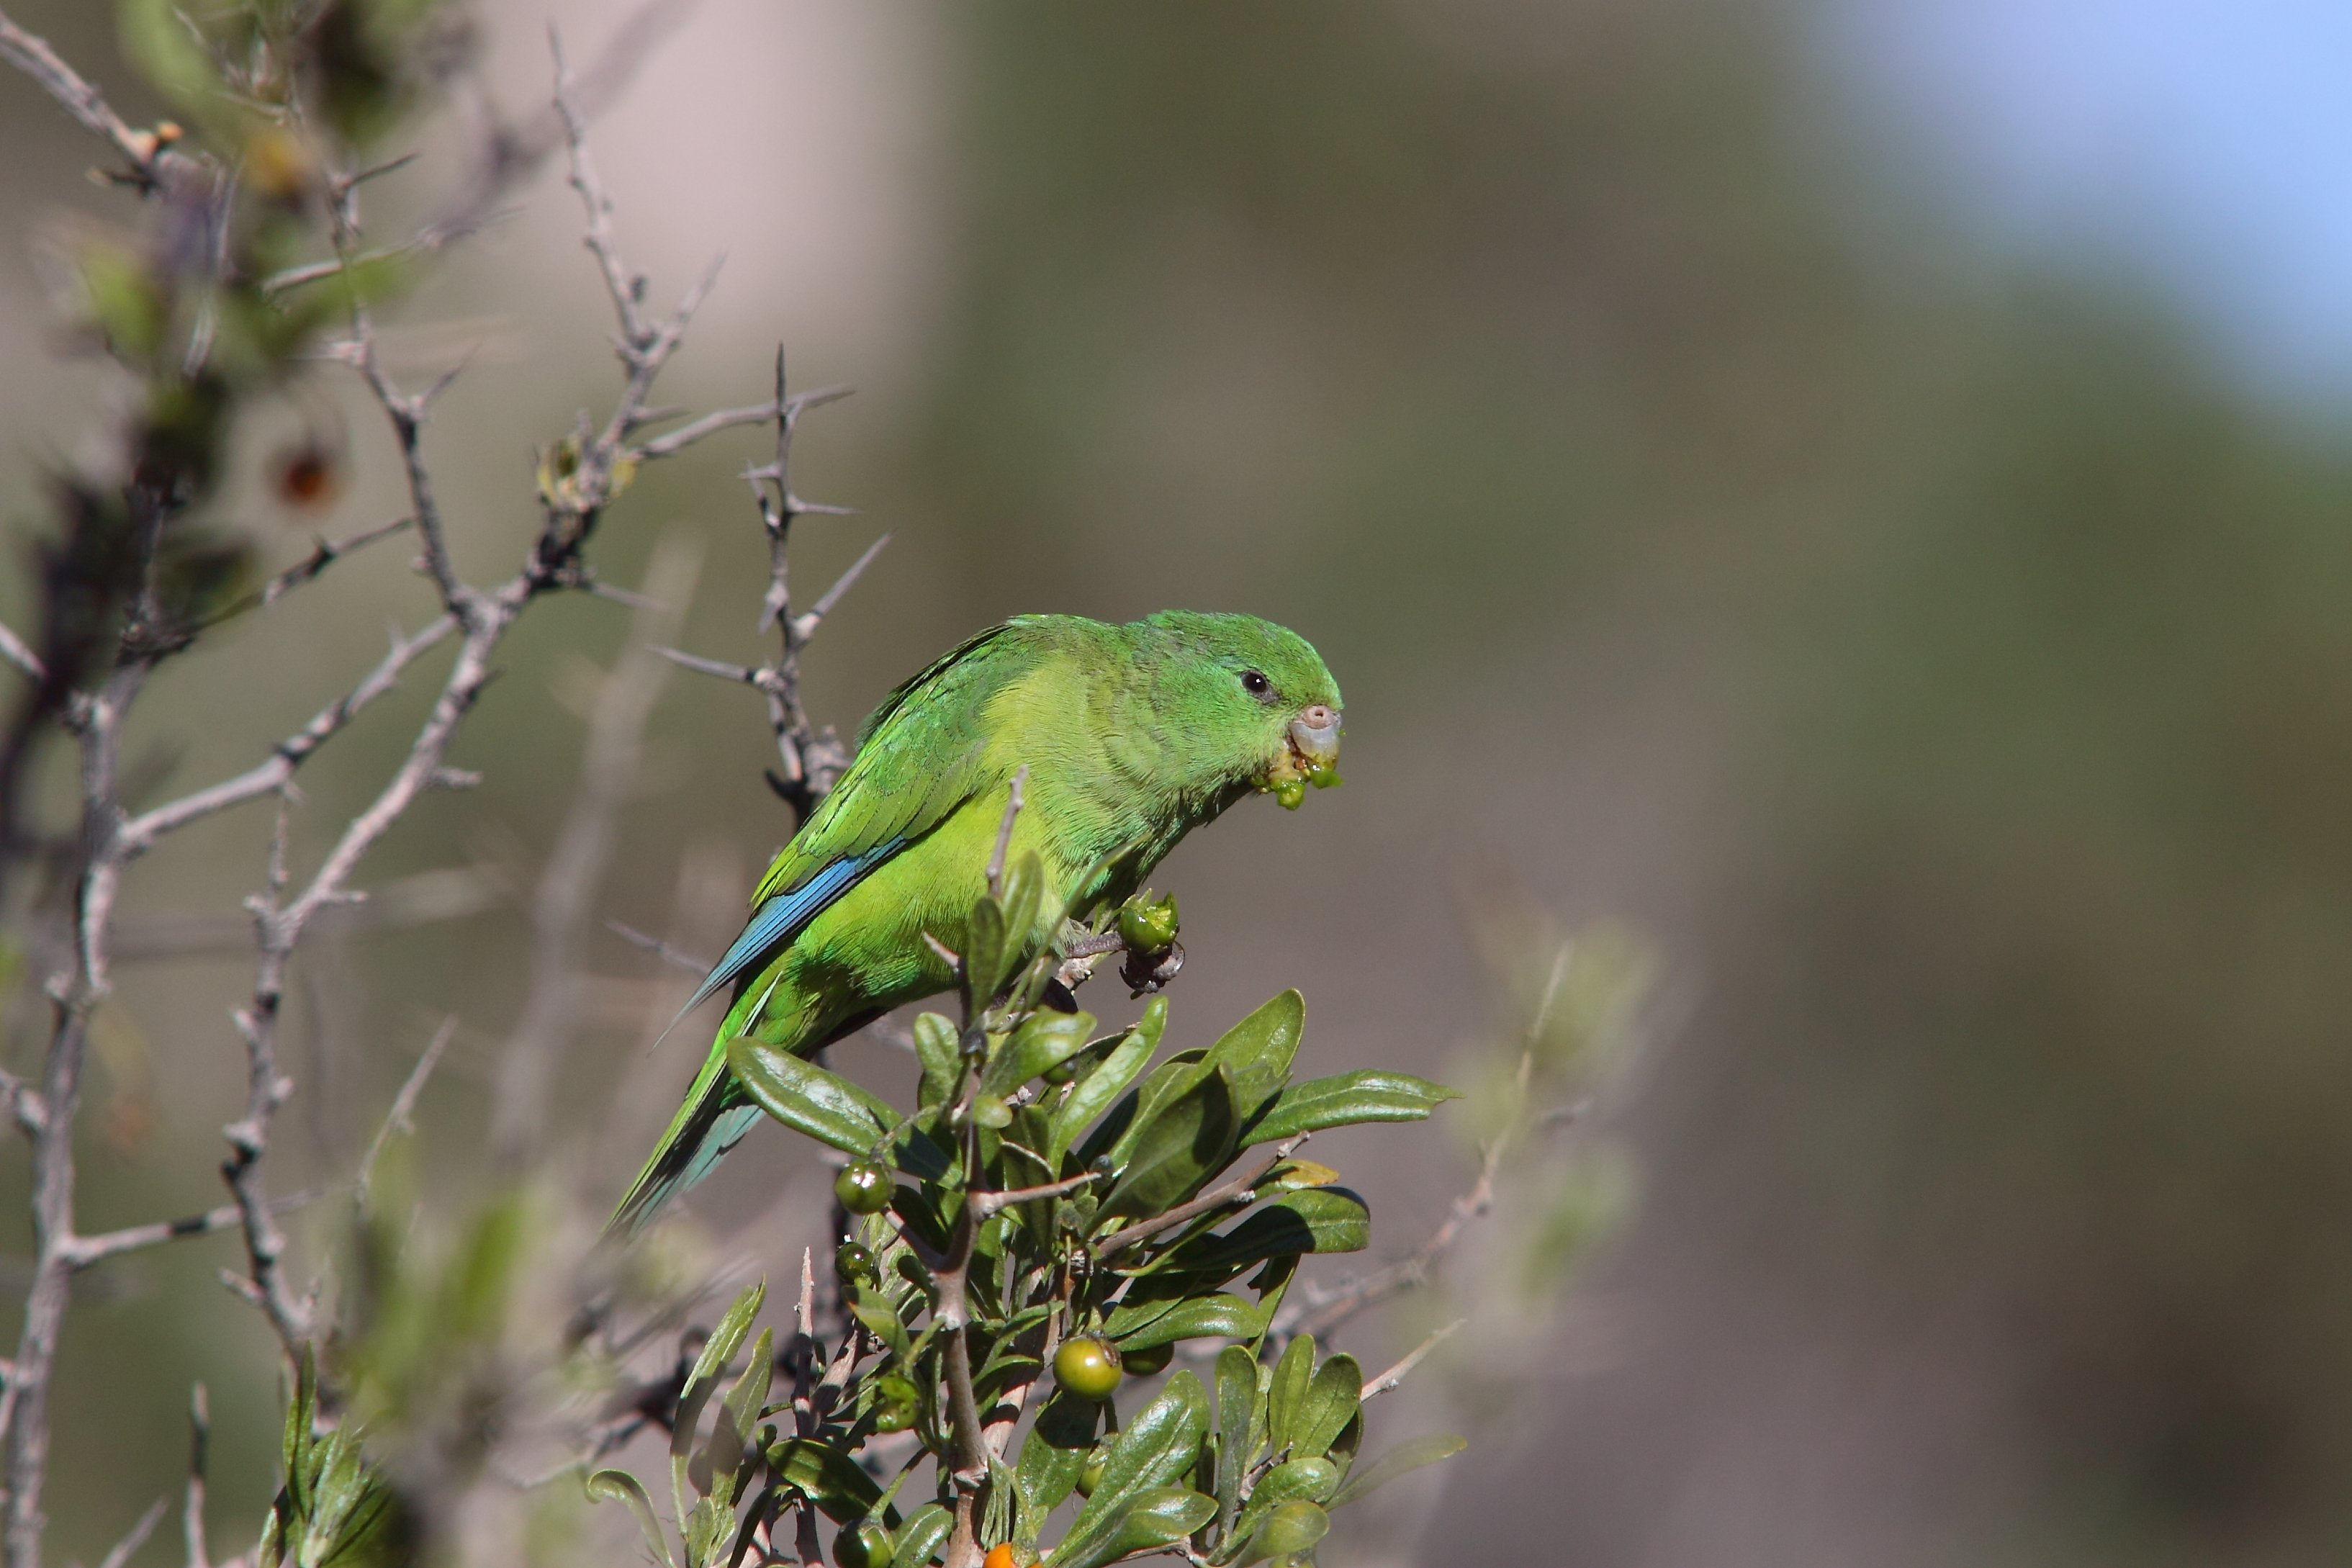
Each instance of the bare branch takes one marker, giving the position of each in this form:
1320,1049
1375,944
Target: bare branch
83,1251
403,1105
191,1511
804,626
659,949
685,435
323,554
146,152
140,834
18,652
1396,1374
1005,831
1223,1194
987,1205
135,1537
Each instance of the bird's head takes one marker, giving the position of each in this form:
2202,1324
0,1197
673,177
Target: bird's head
1253,700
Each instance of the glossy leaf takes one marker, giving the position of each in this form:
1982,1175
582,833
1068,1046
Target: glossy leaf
1370,1094
1330,1405
1177,1148
1240,1427
1094,1093
1293,1376
936,1048
1400,1460
1318,1219
1117,1134
927,1531
1157,1447
983,953
1052,1455
1257,1052
807,1099
1144,1523
1045,1041
826,1476
1207,1317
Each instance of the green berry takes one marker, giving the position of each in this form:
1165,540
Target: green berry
1089,1367
1147,927
894,1403
991,1111
1090,1474
856,1264
864,1545
863,1186
1144,1362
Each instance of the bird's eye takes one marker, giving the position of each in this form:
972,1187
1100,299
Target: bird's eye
1256,683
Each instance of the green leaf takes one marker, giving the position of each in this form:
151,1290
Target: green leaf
717,1352
1318,1219
1240,1427
1117,1135
807,1099
1293,1376
1203,1317
1291,1528
826,1476
1177,1147
1093,1094
1025,890
1052,1455
739,1419
983,953
707,1526
1369,1095
1144,1523
1330,1403
926,1530
1400,1460
619,1486
937,1048
1038,1045
1257,1051
1157,1447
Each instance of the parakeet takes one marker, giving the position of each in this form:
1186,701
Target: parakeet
1132,736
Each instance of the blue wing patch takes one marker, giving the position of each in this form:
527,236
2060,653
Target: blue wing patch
784,917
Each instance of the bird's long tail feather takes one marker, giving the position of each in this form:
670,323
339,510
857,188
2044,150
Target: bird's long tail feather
713,1120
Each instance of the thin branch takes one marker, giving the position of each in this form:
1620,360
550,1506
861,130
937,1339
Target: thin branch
1005,831
1323,1312
1220,1196
274,775
136,1536
323,553
403,1107
148,153
86,1250
986,1206
1396,1374
685,435
191,1511
659,949
17,651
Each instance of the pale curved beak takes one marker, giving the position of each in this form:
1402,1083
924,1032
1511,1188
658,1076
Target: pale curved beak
1316,734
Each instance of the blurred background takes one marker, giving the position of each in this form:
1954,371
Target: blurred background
1859,495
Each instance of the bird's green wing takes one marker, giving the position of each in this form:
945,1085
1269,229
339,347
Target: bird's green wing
923,753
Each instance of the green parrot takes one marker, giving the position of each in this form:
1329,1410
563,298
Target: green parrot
1132,736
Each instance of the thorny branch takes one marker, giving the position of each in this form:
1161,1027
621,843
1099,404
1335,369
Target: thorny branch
108,836
810,759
